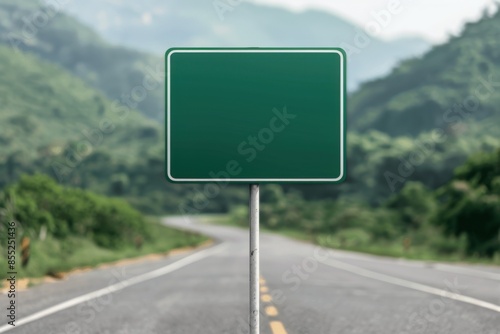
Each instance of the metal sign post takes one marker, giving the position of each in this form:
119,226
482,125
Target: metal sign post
254,259
223,106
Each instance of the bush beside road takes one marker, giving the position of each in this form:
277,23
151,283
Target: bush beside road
59,229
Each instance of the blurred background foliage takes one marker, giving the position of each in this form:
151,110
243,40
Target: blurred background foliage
456,221
68,227
423,162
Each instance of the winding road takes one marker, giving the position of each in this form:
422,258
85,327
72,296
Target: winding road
305,290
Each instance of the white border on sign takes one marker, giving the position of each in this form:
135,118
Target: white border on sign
261,51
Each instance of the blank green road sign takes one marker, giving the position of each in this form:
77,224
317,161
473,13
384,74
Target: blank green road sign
255,115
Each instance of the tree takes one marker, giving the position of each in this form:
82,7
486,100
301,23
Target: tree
415,205
470,204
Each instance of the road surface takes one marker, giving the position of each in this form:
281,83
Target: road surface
305,290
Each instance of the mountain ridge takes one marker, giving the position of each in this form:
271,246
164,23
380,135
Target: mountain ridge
64,41
455,80
156,26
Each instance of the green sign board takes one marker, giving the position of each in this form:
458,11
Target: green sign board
255,115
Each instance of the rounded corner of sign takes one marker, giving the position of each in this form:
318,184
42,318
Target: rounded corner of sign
340,178
341,51
170,52
170,178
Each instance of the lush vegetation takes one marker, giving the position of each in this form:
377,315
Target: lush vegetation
408,132
52,122
48,32
49,117
454,82
442,106
470,204
70,227
402,226
460,221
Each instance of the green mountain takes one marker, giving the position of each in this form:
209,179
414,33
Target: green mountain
49,116
155,25
46,111
453,86
55,123
46,31
428,115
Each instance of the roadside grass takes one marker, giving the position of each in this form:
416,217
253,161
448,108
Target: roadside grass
52,256
394,249
217,219
421,253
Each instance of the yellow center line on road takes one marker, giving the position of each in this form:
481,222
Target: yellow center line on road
266,298
277,327
271,311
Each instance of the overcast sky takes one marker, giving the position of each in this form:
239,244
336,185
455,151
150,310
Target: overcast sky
434,20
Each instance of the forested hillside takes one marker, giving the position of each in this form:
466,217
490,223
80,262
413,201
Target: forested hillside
408,126
53,122
423,160
49,33
455,82
428,115
155,25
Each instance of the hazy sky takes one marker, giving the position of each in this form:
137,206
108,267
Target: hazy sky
432,19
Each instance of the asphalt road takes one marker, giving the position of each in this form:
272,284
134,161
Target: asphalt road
306,290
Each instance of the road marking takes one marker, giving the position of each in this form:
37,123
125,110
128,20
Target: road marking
271,311
117,287
381,259
411,285
467,271
277,327
421,264
266,298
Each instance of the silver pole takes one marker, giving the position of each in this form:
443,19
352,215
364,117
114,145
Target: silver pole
254,260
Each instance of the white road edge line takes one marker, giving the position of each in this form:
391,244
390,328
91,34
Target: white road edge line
411,285
422,264
116,287
467,271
